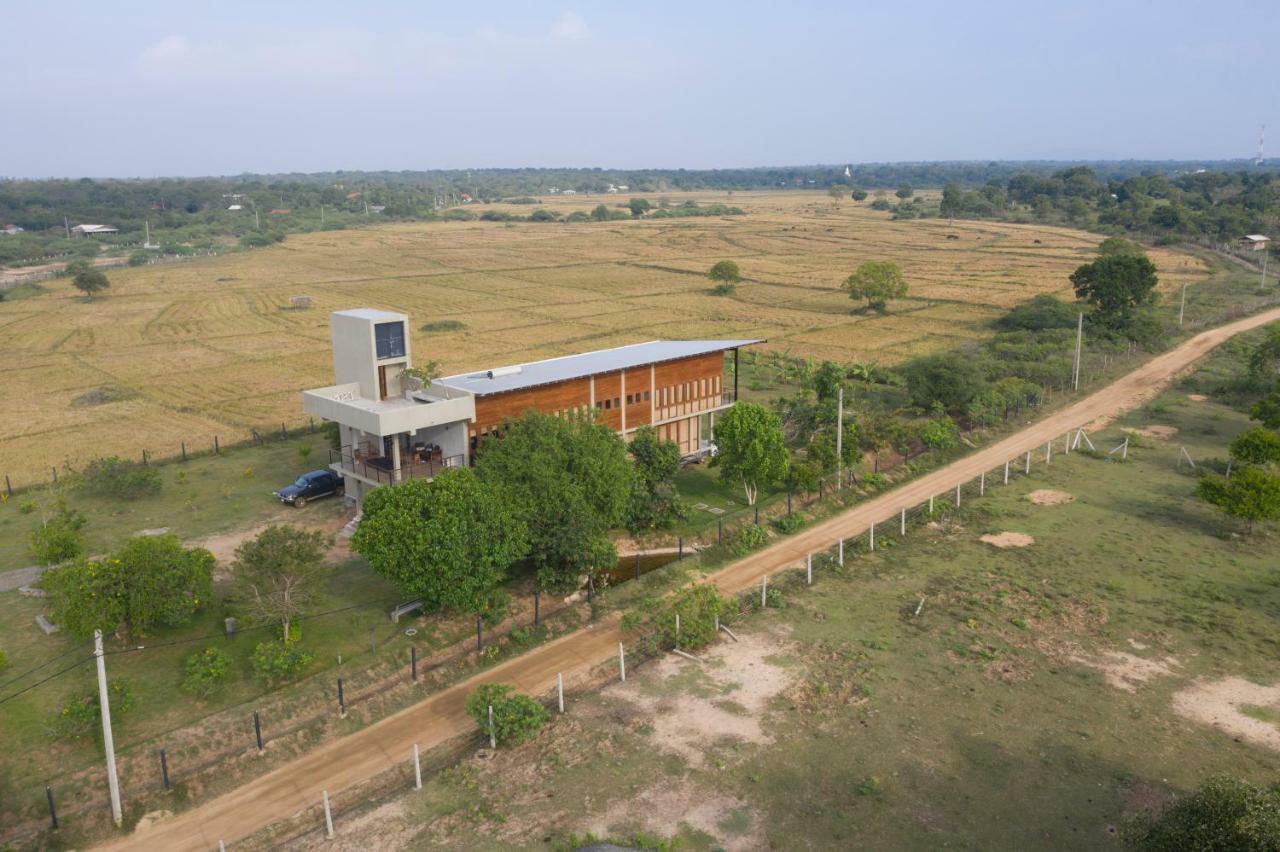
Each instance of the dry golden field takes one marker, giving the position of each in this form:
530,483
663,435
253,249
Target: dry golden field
211,347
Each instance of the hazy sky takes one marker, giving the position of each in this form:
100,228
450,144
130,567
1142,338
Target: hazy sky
125,88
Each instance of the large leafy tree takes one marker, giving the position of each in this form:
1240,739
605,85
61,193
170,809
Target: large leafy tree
1264,360
449,541
1252,494
1224,815
1117,285
726,272
1256,446
151,581
653,503
945,379
877,281
569,480
90,281
749,440
1267,409
279,572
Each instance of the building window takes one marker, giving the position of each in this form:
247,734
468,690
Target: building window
629,400
617,403
599,406
389,339
646,396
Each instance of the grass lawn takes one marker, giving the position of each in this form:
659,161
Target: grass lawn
1043,696
205,495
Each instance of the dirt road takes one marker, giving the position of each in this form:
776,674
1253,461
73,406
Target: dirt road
387,744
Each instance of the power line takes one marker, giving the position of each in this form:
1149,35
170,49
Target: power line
47,662
46,680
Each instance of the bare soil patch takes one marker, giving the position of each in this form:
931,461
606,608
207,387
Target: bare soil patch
1049,497
738,685
664,806
1008,539
1219,704
1158,432
1197,397
1125,671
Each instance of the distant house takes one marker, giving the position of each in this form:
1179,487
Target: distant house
612,189
236,207
622,187
11,229
1254,242
570,192
466,199
93,230
553,190
377,208
280,211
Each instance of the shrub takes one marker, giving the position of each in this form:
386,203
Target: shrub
749,538
443,325
698,606
79,716
516,717
787,524
940,434
722,290
1042,312
60,538
114,477
276,661
881,204
139,258
1224,814
206,672
27,506
874,480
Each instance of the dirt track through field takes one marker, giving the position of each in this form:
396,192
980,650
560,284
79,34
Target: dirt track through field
387,744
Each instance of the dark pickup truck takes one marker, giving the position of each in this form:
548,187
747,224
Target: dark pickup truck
309,486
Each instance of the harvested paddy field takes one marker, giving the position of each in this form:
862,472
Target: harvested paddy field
183,352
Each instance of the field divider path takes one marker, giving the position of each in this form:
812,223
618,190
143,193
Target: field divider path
286,791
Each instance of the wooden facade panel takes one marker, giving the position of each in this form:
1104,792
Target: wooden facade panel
674,389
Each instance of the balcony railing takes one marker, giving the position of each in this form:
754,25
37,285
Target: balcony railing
379,469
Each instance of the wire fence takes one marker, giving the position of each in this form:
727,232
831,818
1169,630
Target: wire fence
146,774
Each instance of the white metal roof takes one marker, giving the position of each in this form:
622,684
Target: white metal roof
1258,238
518,376
371,314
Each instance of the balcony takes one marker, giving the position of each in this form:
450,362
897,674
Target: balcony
376,469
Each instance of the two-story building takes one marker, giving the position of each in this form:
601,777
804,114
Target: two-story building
392,427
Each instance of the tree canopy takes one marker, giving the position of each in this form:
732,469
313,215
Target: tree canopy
150,581
726,272
569,481
945,379
750,448
1117,285
1256,446
90,281
278,573
878,282
448,541
1252,494
1224,815
654,503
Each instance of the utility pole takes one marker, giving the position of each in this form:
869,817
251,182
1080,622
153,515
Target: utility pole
1182,306
840,436
322,215
67,224
108,742
1075,371
1262,285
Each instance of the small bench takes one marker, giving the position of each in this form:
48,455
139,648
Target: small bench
46,625
404,609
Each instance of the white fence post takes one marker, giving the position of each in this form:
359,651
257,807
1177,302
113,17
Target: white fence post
873,538
560,689
841,553
958,495
808,569
1028,470
1006,473
328,817
764,591
982,483
622,662
493,735
417,769
903,529
1048,451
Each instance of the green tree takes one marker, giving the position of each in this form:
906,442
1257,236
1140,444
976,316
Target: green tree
639,207
941,433
827,380
1224,815
279,572
91,282
750,449
878,282
1256,446
1267,409
1117,286
1116,246
150,581
905,191
1040,313
517,718
952,200
944,378
858,194
569,480
1252,494
600,213
449,541
654,504
60,536
1264,360
837,191
726,272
